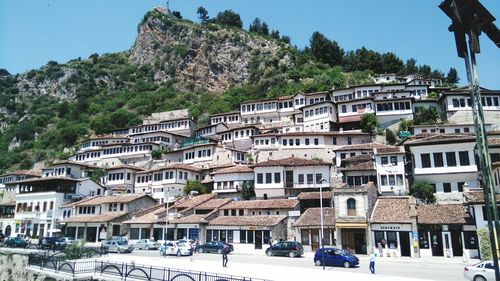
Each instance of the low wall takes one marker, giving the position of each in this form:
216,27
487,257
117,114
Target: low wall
14,267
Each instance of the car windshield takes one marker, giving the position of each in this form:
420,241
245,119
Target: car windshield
121,242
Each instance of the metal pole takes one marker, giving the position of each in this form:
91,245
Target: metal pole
321,222
166,217
484,169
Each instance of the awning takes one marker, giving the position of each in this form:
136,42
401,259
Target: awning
351,225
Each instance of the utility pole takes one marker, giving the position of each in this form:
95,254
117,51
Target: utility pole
471,18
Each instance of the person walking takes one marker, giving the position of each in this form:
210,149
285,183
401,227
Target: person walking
372,263
225,251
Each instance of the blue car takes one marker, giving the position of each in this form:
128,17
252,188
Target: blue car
335,257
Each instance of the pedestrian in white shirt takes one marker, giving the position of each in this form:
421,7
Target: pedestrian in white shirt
372,263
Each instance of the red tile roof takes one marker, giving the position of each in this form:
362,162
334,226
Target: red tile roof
314,195
234,170
247,220
292,162
312,217
123,198
366,166
193,201
392,209
477,197
96,218
213,204
362,146
262,204
442,214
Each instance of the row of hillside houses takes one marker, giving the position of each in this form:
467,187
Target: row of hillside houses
287,149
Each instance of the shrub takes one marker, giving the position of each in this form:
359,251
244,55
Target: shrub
390,138
423,191
483,235
368,122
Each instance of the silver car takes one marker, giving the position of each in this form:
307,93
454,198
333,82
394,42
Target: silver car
483,271
147,244
117,246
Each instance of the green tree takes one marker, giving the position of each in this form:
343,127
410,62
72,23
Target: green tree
229,18
483,235
156,154
391,63
452,76
259,27
411,66
202,14
325,50
424,70
363,59
368,123
426,116
390,138
247,190
121,118
423,191
97,174
195,185
405,125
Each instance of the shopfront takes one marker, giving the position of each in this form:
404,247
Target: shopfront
392,240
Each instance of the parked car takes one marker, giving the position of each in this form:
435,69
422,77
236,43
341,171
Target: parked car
214,247
66,241
117,246
176,248
335,257
17,242
147,244
286,248
483,271
51,243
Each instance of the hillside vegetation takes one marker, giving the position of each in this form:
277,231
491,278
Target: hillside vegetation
209,68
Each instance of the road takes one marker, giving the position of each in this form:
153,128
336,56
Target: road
420,270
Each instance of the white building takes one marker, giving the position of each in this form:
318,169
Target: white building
120,178
229,181
226,118
390,166
290,176
319,116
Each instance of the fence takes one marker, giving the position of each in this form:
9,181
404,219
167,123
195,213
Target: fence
124,271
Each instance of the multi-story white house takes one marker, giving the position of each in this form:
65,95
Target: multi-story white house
447,128
445,161
290,176
228,182
120,178
166,181
7,180
166,140
210,130
391,107
350,111
352,150
457,105
226,118
390,166
180,125
319,116
206,155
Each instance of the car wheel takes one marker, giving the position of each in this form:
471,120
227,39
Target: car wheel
178,253
479,278
317,262
346,264
146,248
291,254
200,250
219,251
119,251
269,253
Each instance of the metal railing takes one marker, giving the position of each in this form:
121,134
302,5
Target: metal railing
126,270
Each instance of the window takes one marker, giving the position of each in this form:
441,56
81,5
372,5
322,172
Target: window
426,160
470,240
297,142
243,236
438,159
392,180
260,178
394,160
344,109
384,160
351,207
379,236
310,179
392,239
433,185
319,177
383,180
284,142
277,178
269,177
316,141
451,160
460,186
307,141
304,233
447,187
464,158
301,178
423,239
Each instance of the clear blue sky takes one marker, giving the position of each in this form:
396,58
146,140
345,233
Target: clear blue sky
34,32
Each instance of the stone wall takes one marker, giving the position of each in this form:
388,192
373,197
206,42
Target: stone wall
14,267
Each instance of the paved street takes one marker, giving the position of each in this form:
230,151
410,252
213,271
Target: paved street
278,268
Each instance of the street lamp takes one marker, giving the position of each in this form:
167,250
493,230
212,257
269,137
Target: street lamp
166,217
321,221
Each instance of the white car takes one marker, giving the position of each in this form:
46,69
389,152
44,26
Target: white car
147,244
176,248
483,271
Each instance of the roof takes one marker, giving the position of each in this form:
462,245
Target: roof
123,198
362,146
442,214
248,220
312,217
147,216
354,100
389,150
173,166
365,166
97,218
193,201
440,138
124,166
345,188
213,203
358,158
314,195
51,179
190,219
73,163
292,162
392,209
234,170
225,113
262,204
22,172
477,197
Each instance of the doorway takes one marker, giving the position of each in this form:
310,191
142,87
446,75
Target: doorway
258,239
91,234
437,243
404,242
116,230
354,239
8,230
456,243
288,178
314,239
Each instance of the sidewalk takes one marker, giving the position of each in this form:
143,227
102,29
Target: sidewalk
267,272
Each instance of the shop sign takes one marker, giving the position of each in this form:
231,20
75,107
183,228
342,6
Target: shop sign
391,227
